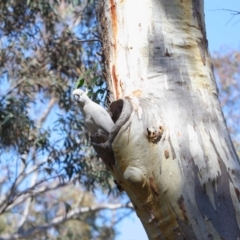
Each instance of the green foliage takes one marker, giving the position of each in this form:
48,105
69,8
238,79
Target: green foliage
79,83
93,83
15,123
44,56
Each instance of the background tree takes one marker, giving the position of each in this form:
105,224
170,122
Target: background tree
227,70
47,165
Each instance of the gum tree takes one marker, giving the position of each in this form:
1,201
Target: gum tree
170,149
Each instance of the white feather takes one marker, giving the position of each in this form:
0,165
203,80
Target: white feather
96,117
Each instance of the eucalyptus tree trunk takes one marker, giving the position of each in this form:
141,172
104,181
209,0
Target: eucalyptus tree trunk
170,149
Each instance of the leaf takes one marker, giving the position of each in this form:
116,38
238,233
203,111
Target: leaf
69,172
100,91
24,161
93,80
48,170
79,83
67,207
7,120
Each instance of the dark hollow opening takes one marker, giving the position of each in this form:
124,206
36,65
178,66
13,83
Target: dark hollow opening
116,109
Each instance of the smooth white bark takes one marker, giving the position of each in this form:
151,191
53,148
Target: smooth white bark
184,182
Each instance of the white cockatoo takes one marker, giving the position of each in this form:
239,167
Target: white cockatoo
96,117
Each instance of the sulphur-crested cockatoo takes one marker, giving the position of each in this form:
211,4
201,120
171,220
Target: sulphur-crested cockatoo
96,117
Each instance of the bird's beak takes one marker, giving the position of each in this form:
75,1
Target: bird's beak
76,95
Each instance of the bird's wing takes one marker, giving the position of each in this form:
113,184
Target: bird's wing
101,118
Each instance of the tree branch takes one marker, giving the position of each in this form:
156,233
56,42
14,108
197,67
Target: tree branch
32,192
6,200
61,219
87,40
47,111
27,204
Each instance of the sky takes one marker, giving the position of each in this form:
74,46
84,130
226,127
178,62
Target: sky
223,33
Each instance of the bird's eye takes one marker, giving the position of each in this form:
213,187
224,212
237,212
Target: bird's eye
76,97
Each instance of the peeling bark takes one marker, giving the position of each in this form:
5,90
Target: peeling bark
170,149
